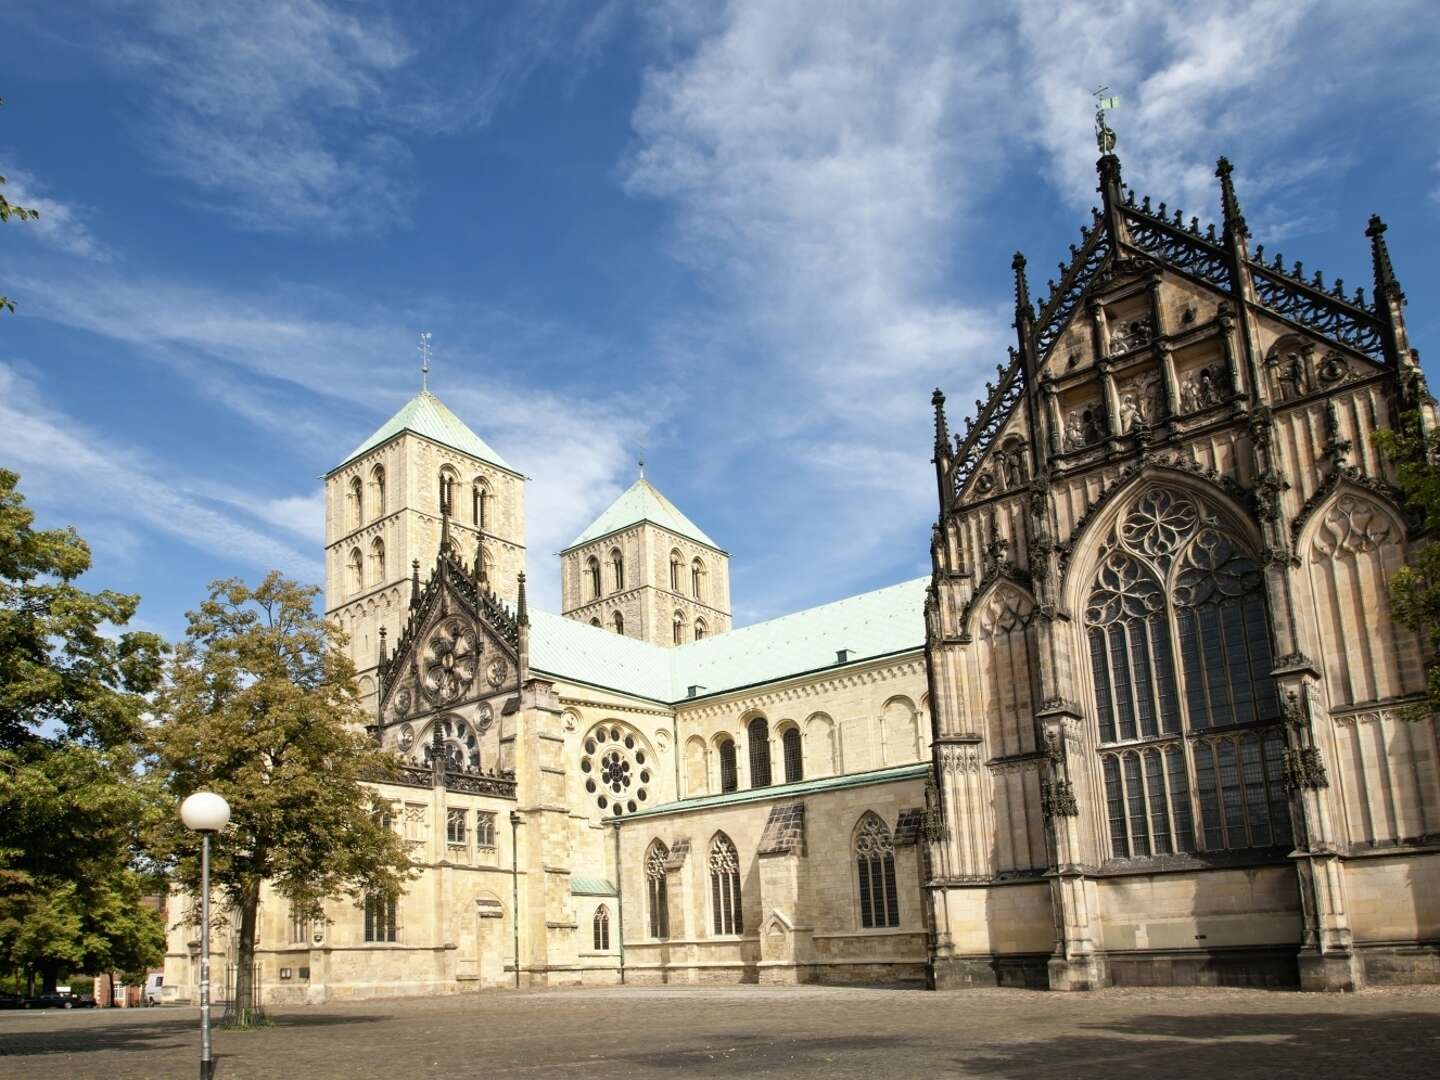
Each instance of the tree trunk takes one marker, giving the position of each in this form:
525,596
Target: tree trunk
244,1009
30,981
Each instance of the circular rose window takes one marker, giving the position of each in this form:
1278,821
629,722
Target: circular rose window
616,769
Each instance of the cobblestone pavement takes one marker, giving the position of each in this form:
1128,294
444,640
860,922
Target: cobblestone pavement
754,1031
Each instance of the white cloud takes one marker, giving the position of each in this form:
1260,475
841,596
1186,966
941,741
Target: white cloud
59,457
61,225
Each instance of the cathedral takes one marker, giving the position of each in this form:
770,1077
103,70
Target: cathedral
1149,720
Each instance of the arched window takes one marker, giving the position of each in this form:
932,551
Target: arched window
794,755
617,569
729,773
655,860
448,483
356,509
602,929
593,566
677,626
699,629
1173,579
725,887
357,571
875,863
759,733
377,490
479,495
676,562
595,622
377,561
617,623
697,572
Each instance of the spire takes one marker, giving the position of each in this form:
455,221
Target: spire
1229,204
480,560
522,613
942,429
1111,187
1386,285
424,360
445,520
414,583
383,657
1024,312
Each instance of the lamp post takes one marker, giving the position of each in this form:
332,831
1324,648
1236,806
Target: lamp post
515,823
205,812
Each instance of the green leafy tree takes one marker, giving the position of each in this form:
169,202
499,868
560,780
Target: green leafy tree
72,806
20,213
1415,588
261,706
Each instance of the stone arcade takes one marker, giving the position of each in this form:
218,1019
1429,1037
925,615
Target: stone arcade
1146,722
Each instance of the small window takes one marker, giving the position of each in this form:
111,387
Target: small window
602,929
357,571
356,499
697,572
377,490
455,826
699,629
447,492
377,561
593,565
478,498
677,627
794,756
617,568
484,829
299,929
729,773
759,733
595,622
381,922
617,623
675,570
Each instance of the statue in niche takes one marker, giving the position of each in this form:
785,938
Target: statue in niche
1132,335
1083,427
1199,391
1074,431
1010,461
1129,413
1140,404
1292,376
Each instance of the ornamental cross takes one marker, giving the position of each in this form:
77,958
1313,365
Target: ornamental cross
424,359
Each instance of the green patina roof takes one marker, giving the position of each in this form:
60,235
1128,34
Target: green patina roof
642,502
426,415
790,791
591,886
874,624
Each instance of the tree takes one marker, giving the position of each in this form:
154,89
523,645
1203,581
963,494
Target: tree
261,706
1415,588
7,211
72,807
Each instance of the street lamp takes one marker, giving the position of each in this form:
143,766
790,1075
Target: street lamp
205,812
515,822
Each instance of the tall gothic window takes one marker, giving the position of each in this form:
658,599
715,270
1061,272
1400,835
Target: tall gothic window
617,623
377,490
794,755
448,481
593,566
478,498
356,499
759,733
675,564
875,864
357,571
381,923
1191,754
655,860
725,887
697,574
377,561
729,773
601,928
617,569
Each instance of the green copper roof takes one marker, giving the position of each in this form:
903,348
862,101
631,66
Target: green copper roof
591,886
874,624
425,414
642,502
790,791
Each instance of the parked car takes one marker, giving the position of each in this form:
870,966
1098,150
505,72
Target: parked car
60,1001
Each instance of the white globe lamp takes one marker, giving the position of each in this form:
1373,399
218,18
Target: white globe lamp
205,812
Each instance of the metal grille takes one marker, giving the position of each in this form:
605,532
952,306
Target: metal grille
729,773
794,756
759,733
381,918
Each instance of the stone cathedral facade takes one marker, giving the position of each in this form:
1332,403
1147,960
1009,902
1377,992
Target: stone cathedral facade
1148,721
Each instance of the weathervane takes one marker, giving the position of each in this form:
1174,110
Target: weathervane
642,468
1104,135
424,359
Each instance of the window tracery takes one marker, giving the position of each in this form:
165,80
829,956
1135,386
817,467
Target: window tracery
875,865
1172,579
1352,526
725,887
601,929
616,769
451,659
458,742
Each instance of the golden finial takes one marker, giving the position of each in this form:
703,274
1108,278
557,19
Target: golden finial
1104,135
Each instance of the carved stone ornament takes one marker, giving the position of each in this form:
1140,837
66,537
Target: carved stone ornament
496,671
404,699
484,717
406,738
450,660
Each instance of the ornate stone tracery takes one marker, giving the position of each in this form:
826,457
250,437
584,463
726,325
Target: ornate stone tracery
450,659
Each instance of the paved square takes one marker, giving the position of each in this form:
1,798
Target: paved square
801,1032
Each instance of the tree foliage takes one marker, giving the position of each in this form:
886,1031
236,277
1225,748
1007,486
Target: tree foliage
21,213
1415,588
72,806
261,706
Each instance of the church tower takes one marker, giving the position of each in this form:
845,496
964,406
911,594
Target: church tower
644,569
383,515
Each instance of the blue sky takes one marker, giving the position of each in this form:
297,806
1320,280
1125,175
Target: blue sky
742,239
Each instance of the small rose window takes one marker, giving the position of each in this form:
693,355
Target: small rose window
616,769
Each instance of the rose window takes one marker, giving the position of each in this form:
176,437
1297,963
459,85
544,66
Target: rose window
459,743
451,659
616,769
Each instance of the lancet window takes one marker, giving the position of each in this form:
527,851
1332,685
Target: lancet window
655,860
875,865
725,887
601,928
1187,714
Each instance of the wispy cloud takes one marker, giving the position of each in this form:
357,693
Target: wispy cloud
55,453
63,226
